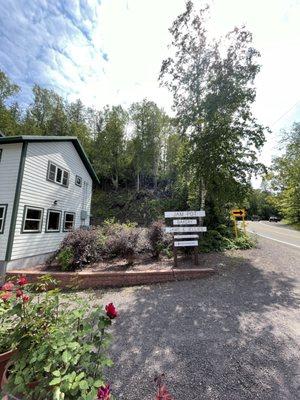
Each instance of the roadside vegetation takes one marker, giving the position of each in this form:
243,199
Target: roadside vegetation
280,192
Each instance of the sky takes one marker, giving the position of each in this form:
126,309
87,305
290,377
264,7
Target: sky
110,51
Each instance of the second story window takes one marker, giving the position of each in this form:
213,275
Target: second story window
58,174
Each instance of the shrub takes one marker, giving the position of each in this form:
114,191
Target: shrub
244,242
222,238
156,237
121,240
65,258
62,345
79,247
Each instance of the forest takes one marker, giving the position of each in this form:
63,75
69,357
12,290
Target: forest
201,156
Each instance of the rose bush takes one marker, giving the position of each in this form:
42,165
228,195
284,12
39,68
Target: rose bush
62,343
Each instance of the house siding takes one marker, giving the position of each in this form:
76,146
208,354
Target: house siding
9,168
37,191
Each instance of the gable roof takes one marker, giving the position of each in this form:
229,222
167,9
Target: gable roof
73,139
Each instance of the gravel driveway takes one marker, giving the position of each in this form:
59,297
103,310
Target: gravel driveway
232,336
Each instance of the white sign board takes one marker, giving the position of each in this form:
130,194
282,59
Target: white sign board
186,243
178,229
186,236
184,222
184,214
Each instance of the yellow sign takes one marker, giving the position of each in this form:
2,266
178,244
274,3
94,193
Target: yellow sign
239,212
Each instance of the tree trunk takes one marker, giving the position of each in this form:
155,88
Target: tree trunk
202,193
115,181
138,182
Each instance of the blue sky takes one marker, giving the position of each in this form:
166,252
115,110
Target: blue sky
110,51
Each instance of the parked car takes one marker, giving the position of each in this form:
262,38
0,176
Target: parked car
274,219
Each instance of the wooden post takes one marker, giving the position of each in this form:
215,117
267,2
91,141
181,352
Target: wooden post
196,255
175,256
244,226
235,228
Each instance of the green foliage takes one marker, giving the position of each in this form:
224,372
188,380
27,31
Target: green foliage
222,238
62,345
65,258
284,178
212,97
261,202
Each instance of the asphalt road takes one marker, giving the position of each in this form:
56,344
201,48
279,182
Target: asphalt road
233,336
276,232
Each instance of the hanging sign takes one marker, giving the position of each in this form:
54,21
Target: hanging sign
184,222
184,214
186,236
178,229
188,243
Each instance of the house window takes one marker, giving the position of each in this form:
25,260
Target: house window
53,221
69,221
3,208
78,180
33,219
57,174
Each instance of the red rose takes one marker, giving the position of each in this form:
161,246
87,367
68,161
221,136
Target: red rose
5,296
22,281
9,286
103,393
19,293
25,298
111,311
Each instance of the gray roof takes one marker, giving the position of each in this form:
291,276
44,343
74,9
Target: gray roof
73,139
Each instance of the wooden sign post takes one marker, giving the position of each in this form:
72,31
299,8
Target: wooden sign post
186,229
238,213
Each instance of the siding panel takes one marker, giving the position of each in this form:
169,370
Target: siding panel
9,167
38,192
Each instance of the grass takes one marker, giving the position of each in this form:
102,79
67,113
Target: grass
295,226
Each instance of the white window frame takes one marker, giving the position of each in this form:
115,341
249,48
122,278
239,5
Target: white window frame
26,208
63,172
2,219
47,230
65,220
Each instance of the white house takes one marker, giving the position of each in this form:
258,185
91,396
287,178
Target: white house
45,191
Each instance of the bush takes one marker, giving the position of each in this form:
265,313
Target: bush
222,238
65,258
79,248
121,240
155,235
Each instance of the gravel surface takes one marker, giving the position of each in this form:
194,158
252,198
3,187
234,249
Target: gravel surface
233,336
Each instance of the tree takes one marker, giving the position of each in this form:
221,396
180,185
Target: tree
7,88
212,86
149,123
284,177
9,115
109,150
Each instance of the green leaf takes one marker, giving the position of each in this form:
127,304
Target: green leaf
66,356
83,385
55,381
80,376
56,373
